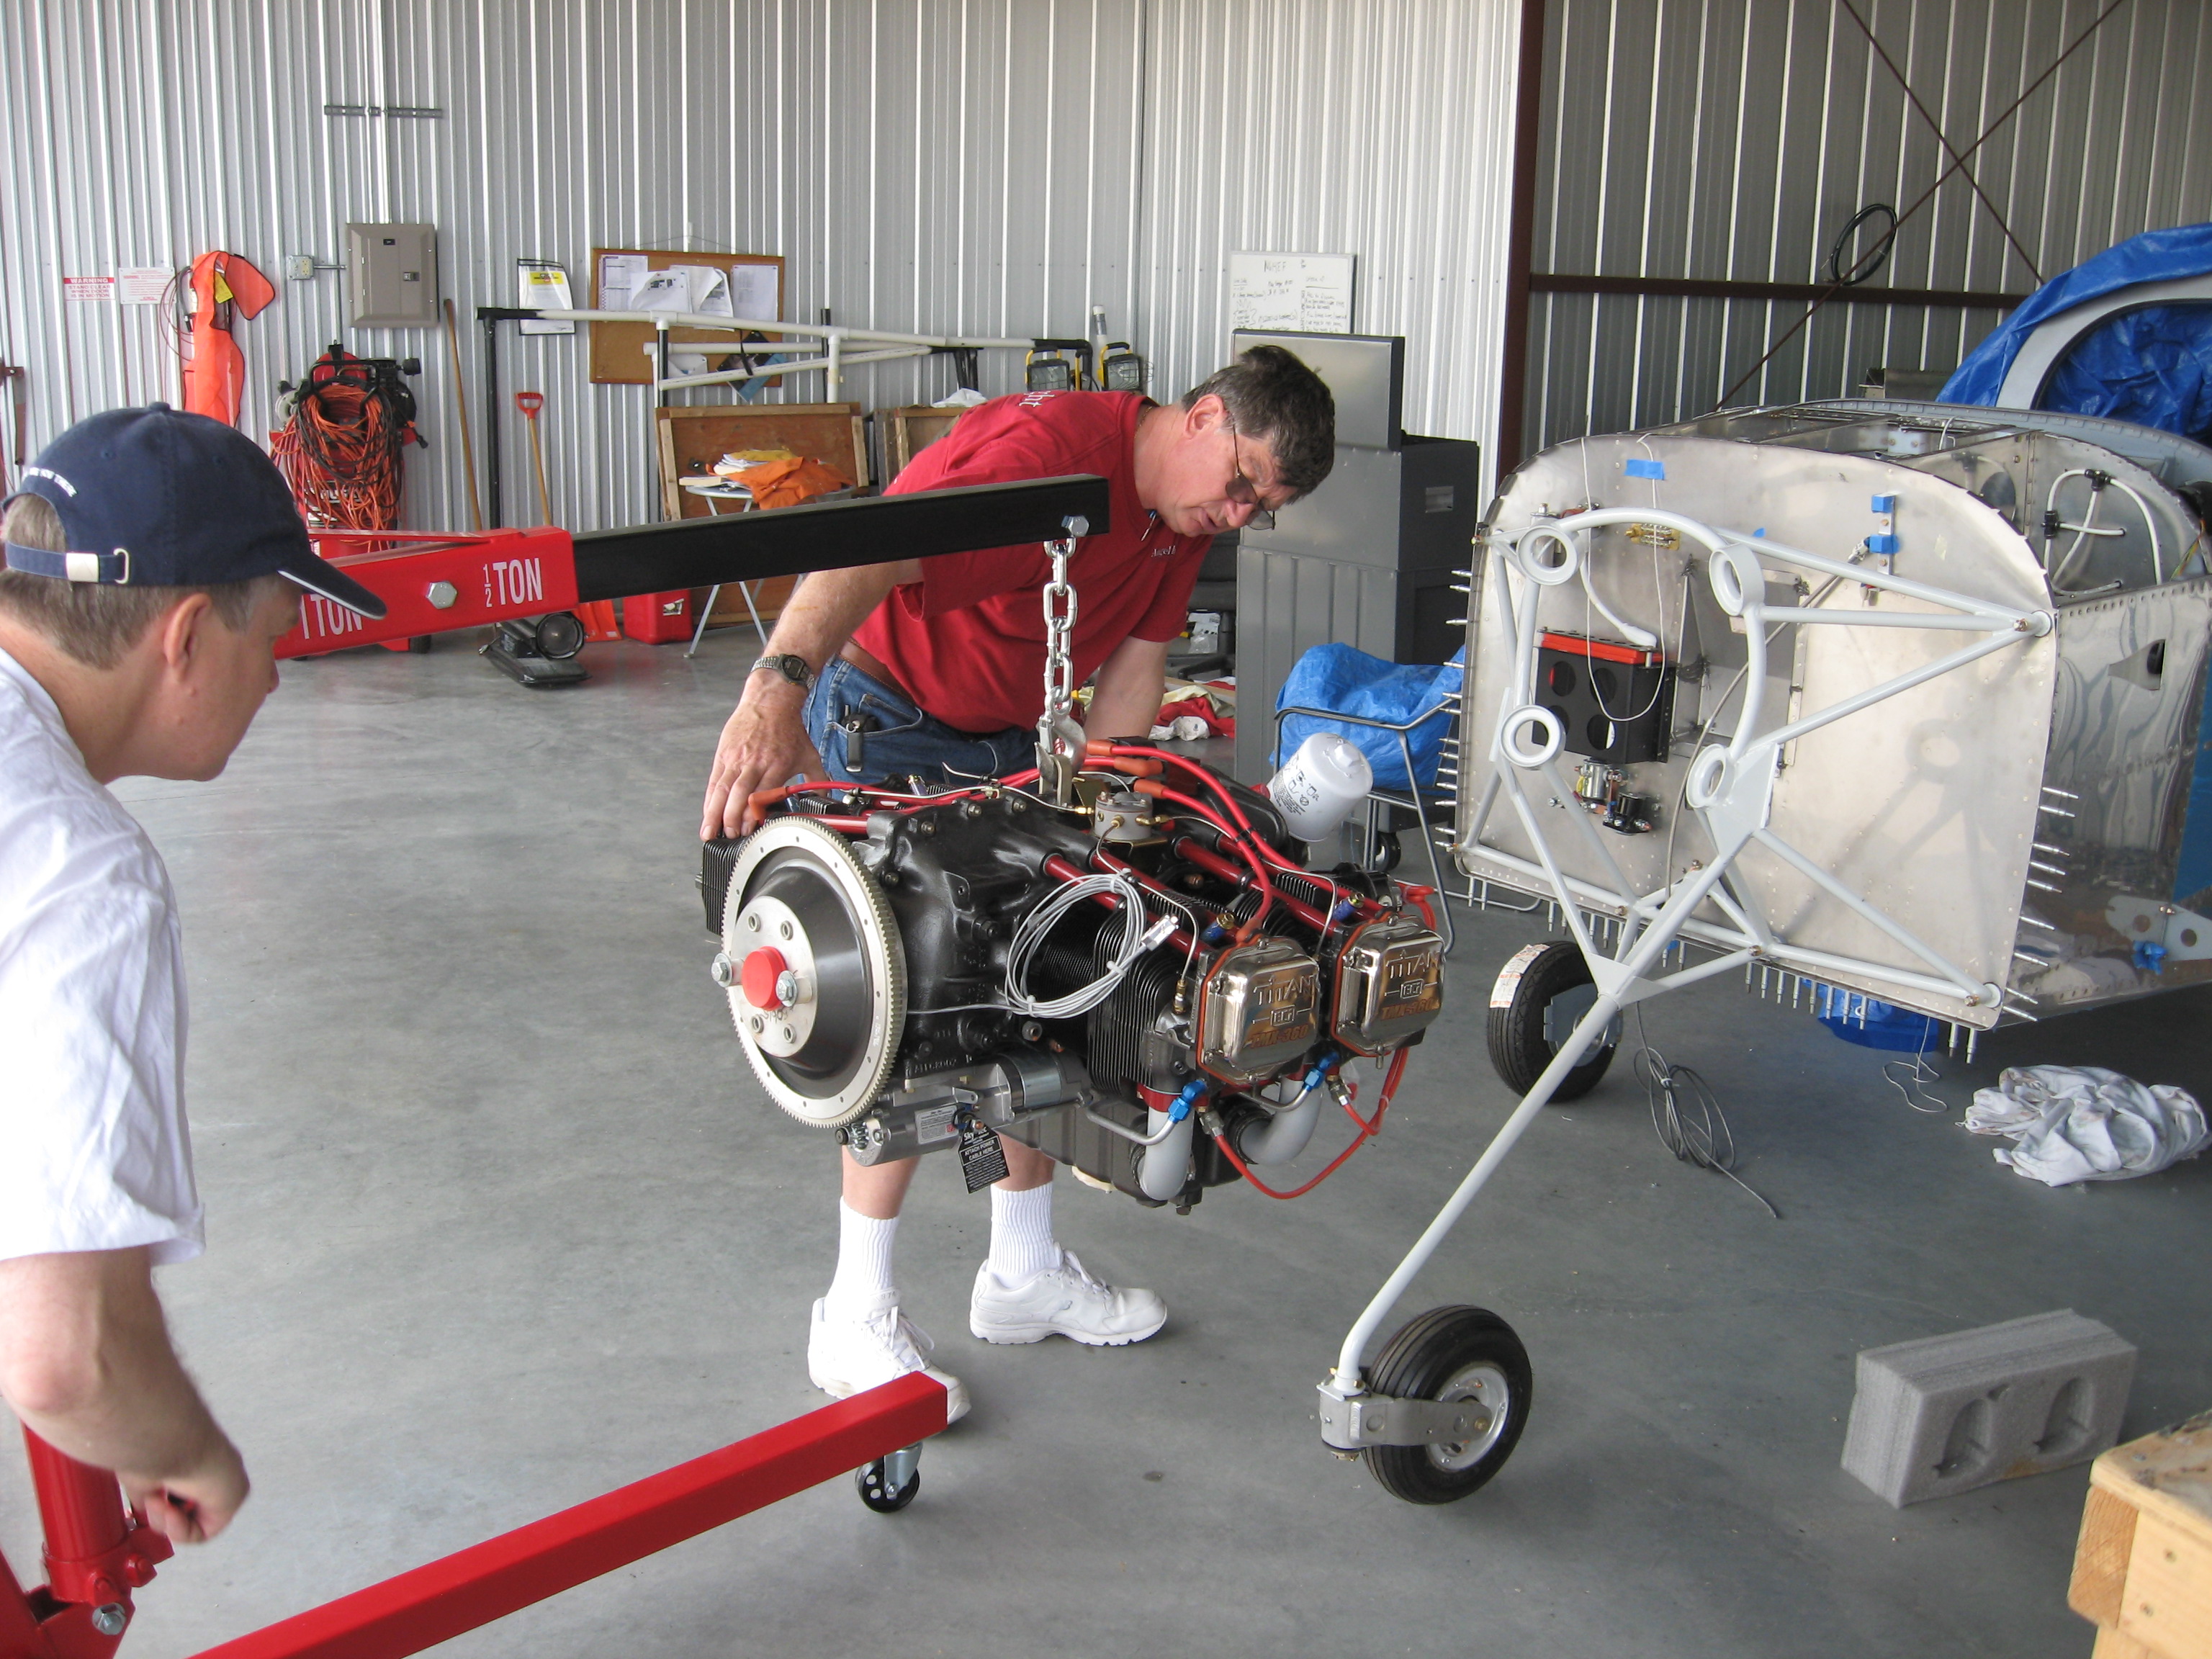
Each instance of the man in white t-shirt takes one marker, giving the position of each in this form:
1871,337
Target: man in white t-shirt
152,560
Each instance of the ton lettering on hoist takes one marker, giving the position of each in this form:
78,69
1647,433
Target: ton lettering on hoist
513,581
319,619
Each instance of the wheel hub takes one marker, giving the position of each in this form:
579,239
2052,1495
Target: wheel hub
1485,1384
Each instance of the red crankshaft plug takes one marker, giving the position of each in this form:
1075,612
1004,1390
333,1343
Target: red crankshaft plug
763,968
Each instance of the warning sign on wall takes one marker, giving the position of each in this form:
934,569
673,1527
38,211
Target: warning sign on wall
88,290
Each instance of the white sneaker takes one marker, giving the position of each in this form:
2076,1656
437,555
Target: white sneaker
846,1355
1066,1299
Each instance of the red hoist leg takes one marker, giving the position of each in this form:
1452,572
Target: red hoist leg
433,583
96,1554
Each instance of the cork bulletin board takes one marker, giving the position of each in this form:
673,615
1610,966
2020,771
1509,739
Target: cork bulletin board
618,353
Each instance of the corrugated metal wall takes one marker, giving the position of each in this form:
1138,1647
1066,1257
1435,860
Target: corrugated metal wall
1376,127
933,166
988,167
1734,138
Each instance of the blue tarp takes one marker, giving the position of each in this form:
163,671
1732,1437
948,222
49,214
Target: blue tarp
1349,682
2153,367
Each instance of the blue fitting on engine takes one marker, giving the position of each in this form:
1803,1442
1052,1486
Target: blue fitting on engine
1214,933
1180,1107
1322,1068
1345,909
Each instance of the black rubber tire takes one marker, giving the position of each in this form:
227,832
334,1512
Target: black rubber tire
560,634
1518,1047
1415,1365
870,1480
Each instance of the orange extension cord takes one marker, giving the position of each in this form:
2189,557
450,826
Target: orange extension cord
341,449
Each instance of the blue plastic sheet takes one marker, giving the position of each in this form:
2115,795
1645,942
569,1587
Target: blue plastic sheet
1873,1024
2153,367
1349,682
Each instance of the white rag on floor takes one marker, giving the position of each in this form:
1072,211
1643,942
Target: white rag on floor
2070,1123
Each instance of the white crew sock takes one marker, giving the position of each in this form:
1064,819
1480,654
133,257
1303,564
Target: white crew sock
863,1263
1022,1244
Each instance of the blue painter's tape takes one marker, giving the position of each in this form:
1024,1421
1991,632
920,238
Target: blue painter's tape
1881,544
1642,469
1885,503
1762,531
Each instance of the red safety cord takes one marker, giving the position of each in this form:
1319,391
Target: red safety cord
1367,1127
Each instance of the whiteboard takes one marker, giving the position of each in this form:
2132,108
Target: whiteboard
1307,293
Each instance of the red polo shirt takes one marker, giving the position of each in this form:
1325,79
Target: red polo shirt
966,640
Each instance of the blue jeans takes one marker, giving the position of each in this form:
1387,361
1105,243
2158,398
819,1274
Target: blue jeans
900,741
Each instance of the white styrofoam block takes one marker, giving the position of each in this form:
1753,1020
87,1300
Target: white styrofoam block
1944,1414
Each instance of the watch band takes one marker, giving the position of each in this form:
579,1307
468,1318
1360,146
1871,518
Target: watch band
790,665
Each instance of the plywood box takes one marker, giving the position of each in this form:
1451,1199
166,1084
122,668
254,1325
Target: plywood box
692,439
2142,1570
908,431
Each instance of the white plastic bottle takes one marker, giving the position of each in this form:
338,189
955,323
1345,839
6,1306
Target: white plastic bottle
1318,787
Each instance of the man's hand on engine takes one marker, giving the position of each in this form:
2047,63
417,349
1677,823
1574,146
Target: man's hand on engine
763,744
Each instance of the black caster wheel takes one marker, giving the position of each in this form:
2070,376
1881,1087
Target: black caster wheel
560,634
1387,852
1452,1353
880,1482
1545,990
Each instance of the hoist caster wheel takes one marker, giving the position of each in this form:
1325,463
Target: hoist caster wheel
1545,989
876,1493
1445,1354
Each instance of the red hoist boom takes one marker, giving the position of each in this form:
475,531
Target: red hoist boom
98,1553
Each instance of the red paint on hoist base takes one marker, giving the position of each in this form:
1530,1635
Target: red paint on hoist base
95,1549
488,1580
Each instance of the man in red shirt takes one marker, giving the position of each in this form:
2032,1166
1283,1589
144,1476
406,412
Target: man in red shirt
936,666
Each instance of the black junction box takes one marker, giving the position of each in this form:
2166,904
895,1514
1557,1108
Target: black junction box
1617,712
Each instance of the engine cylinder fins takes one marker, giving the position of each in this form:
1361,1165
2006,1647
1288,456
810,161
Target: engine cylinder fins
827,1050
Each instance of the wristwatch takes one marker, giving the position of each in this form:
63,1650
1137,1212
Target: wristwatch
791,665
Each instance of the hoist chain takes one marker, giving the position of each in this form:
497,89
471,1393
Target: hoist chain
1059,739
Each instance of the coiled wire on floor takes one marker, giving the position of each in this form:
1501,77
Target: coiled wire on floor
1687,1116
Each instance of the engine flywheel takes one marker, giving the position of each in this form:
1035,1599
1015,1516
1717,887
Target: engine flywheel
815,971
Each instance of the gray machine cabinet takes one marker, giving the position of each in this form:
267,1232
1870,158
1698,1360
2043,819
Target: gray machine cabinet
1368,560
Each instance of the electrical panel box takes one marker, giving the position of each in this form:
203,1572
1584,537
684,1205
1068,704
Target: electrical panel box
393,272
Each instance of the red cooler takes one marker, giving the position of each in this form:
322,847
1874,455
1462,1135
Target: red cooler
658,618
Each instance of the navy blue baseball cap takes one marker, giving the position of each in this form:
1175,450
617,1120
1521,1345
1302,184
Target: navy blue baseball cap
155,498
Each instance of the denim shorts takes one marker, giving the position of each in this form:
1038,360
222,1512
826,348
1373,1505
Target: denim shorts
899,740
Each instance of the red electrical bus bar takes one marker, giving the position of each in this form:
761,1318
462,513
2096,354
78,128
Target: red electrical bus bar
432,583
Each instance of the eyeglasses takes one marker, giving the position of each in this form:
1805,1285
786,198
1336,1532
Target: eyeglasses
1241,489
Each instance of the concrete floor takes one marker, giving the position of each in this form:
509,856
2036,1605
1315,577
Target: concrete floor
498,1221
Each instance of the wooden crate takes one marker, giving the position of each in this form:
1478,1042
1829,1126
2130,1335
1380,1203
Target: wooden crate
908,431
2142,1570
693,438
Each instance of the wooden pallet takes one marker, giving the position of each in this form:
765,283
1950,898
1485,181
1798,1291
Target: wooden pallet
2142,1571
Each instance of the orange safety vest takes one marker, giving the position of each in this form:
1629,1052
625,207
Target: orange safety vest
214,369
